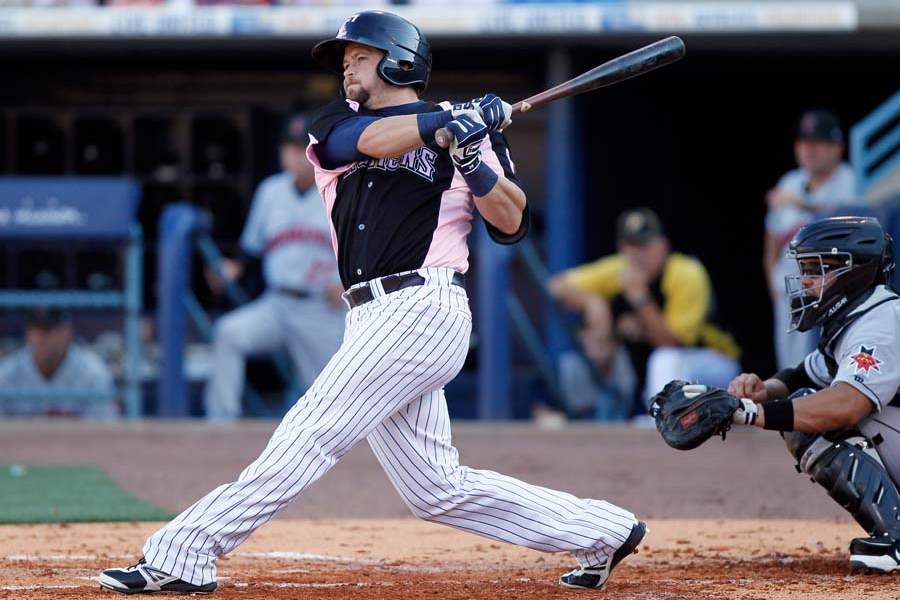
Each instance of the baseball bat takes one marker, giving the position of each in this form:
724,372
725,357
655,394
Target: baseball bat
637,62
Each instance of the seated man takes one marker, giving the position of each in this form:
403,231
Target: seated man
660,303
301,309
609,399
51,363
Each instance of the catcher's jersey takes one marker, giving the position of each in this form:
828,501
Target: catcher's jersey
866,354
391,215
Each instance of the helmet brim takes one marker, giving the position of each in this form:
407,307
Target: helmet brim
330,54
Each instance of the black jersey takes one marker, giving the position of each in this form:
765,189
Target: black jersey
392,215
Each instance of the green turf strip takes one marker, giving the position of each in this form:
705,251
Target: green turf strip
68,493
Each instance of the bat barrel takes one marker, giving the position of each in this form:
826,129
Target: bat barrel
640,61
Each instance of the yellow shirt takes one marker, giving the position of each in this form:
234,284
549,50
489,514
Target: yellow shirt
687,296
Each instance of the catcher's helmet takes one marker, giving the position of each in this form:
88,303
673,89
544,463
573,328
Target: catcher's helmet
840,258
407,58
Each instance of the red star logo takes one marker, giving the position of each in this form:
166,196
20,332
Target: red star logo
865,360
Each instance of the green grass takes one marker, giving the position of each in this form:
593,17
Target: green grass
66,494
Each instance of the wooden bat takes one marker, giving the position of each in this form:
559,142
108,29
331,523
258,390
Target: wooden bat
640,61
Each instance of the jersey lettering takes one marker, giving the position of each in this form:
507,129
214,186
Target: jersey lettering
420,161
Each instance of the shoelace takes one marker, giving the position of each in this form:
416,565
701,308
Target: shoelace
138,563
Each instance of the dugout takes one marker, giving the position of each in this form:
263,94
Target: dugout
194,118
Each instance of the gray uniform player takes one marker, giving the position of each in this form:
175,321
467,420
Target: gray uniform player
301,308
839,409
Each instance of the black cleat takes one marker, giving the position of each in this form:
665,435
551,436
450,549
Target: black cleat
144,579
597,577
880,554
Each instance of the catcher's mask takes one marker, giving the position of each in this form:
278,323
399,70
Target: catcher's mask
839,259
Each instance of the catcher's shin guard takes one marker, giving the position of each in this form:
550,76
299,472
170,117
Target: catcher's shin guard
855,480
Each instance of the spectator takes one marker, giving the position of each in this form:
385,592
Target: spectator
820,181
50,362
660,304
301,308
609,399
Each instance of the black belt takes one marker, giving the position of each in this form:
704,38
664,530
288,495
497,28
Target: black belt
391,283
300,294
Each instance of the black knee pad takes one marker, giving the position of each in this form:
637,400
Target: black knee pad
856,481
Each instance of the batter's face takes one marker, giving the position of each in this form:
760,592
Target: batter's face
818,157
361,80
650,256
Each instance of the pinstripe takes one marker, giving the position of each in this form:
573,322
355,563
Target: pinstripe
278,501
264,459
297,463
451,492
399,351
365,341
318,473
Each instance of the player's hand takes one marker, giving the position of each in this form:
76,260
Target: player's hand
496,113
334,295
634,283
231,271
779,198
748,385
468,129
465,150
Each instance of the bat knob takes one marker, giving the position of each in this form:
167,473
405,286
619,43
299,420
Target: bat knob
443,137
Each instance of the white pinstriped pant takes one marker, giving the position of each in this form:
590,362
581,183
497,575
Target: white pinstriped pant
385,384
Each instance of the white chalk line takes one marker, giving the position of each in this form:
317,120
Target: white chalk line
300,556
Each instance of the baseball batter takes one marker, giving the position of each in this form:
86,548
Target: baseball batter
839,409
301,308
400,210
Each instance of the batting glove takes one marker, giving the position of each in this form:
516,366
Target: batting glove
468,129
496,113
465,151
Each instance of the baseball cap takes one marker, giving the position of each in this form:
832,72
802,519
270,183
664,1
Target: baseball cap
638,226
46,317
296,130
822,125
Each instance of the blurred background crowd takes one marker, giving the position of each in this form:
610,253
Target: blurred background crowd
661,207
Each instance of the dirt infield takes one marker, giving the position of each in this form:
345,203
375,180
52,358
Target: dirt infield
405,558
730,520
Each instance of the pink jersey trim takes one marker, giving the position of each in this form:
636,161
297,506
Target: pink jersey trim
449,247
327,182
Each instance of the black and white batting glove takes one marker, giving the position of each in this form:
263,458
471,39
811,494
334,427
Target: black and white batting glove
747,413
496,113
468,129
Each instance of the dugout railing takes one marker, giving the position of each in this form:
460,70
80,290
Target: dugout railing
90,212
875,145
184,232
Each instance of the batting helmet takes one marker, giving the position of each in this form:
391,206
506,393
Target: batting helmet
407,58
840,258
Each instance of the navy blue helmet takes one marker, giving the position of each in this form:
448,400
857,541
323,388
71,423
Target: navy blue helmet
407,54
840,258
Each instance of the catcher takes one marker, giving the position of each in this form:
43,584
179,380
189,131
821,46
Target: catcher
839,410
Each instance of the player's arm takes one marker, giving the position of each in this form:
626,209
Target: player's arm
503,206
837,407
363,137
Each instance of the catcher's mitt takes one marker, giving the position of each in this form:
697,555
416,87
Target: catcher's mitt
689,414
